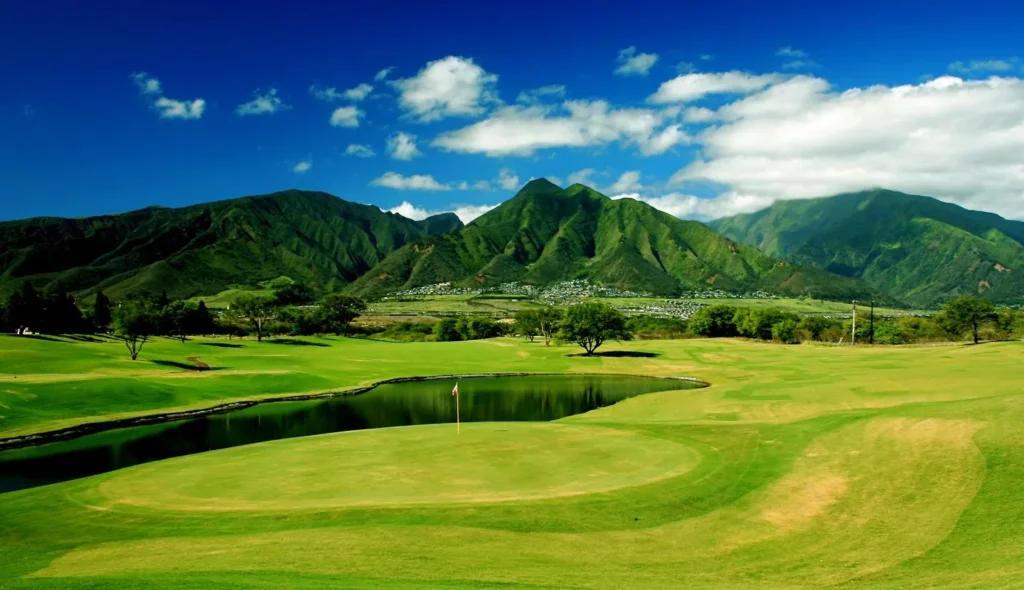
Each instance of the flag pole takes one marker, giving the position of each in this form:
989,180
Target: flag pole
458,425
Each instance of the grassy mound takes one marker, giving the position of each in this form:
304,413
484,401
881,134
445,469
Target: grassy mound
486,462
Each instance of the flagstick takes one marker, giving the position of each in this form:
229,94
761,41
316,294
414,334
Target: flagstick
458,426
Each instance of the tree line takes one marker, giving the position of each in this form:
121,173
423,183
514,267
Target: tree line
289,309
961,317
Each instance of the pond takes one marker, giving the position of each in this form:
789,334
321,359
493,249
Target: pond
481,399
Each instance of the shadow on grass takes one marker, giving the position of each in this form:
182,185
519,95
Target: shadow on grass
197,366
621,354
294,342
222,344
46,338
84,338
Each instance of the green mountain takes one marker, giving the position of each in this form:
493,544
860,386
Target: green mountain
547,234
200,250
918,249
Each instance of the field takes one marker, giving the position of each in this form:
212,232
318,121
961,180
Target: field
801,466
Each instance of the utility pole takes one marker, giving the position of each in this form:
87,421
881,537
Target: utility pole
853,335
872,336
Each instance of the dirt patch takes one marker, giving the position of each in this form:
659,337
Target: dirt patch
711,280
1001,268
200,365
983,286
806,499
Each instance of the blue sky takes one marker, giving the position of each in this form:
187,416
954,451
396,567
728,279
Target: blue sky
701,109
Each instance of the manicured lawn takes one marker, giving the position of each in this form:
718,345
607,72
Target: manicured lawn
802,466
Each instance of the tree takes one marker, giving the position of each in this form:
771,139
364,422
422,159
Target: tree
161,301
178,319
549,320
101,316
785,331
135,320
257,310
967,313
25,309
889,333
527,323
339,310
714,322
757,323
1006,323
447,331
202,322
293,294
590,324
816,325
61,315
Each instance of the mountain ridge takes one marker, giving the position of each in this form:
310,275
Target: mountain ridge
917,248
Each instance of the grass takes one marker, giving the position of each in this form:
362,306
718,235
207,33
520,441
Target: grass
802,466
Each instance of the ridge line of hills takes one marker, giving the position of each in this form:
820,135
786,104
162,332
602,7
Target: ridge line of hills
879,244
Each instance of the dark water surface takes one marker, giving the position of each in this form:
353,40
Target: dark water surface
481,399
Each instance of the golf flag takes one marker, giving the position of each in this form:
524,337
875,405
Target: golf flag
455,392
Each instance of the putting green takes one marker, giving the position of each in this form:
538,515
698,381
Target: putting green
487,462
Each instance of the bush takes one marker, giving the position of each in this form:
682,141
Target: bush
714,322
447,331
888,333
785,331
816,326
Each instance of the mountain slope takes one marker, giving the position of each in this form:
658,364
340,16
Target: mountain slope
309,236
546,234
918,249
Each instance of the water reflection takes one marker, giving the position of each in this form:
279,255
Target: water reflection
531,398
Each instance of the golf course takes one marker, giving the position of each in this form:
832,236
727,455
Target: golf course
798,466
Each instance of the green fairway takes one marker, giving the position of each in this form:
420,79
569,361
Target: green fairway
801,466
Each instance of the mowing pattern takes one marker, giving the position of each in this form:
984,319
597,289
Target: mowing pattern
800,467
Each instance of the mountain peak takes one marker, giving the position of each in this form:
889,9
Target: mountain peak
539,185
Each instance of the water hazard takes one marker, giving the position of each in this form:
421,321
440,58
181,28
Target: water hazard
482,399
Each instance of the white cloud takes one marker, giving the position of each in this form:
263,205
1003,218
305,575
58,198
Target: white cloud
628,182
554,179
790,52
302,167
359,151
538,94
662,142
346,117
415,182
983,66
407,209
692,207
262,104
402,146
466,213
698,115
950,138
521,130
359,92
507,179
146,83
168,108
685,67
383,74
632,63
480,185
179,109
690,87
706,57
582,177
452,86
325,94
